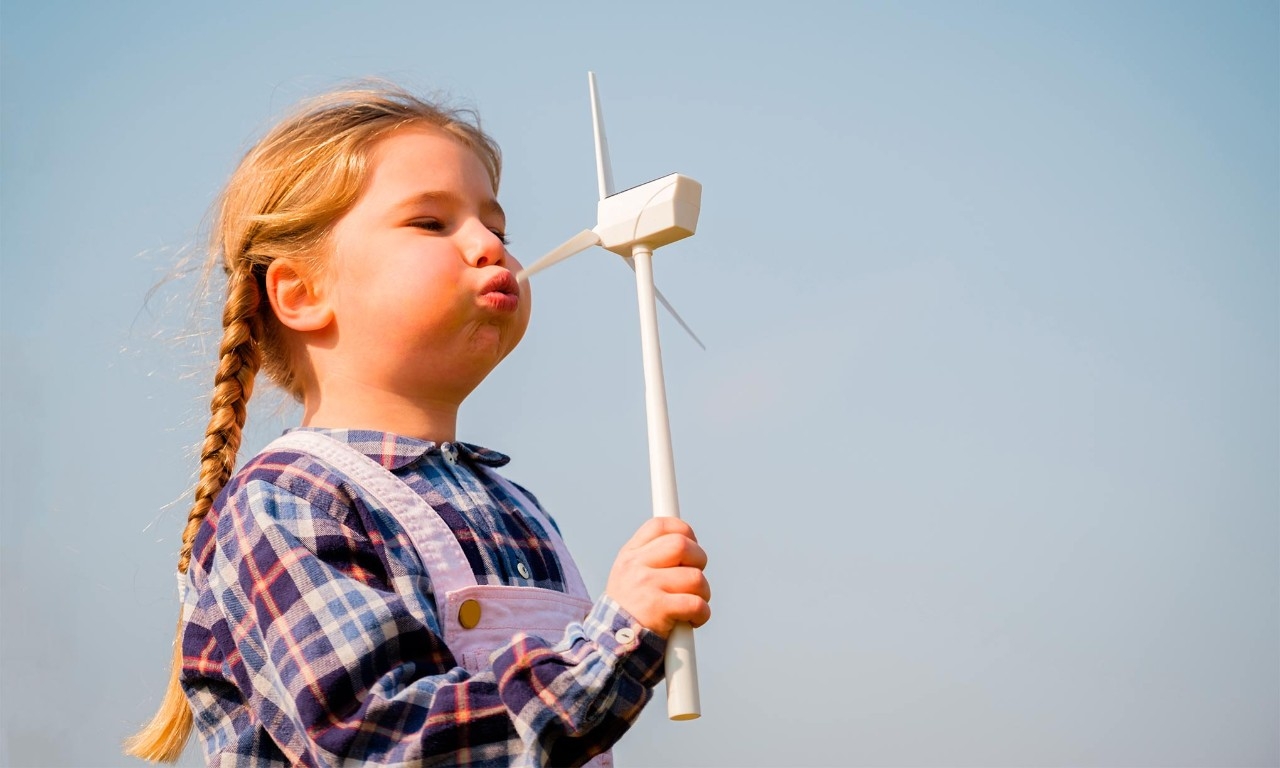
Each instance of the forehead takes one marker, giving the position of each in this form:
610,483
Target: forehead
420,159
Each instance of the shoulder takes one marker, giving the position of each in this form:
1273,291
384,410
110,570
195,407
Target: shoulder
286,483
286,506
284,492
296,473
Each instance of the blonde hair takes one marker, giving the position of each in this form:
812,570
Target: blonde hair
282,202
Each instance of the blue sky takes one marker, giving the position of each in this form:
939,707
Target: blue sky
985,446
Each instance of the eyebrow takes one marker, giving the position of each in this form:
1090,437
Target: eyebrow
489,206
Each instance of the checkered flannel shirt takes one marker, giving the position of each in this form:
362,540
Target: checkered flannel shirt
311,635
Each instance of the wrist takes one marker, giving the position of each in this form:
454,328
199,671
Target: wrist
622,638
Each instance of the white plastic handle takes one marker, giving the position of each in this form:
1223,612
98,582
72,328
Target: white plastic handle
683,702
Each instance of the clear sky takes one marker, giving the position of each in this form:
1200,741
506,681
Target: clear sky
986,444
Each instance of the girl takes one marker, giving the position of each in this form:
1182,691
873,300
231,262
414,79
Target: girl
369,589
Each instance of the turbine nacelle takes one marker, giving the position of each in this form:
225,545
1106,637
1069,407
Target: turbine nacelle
653,214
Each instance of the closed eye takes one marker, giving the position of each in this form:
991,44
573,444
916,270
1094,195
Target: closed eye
430,225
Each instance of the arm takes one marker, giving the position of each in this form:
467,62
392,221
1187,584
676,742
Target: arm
333,644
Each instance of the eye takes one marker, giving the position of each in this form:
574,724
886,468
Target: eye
502,236
430,225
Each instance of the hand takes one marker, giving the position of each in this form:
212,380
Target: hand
657,576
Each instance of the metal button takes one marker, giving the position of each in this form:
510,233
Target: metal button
522,569
624,635
469,614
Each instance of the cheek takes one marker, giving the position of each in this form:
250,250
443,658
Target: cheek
521,324
399,285
526,311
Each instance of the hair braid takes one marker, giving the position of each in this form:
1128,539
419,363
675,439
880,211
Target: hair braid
240,358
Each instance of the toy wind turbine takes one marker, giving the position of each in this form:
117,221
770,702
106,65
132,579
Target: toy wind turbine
632,223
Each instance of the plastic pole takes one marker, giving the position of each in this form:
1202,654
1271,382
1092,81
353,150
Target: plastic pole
681,663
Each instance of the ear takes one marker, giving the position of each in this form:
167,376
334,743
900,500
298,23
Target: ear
299,300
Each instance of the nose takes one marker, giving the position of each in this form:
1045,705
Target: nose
481,247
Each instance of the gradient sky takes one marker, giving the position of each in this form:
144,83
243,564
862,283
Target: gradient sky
986,445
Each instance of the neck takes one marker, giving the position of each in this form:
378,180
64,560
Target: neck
352,405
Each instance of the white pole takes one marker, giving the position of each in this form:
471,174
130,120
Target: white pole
681,665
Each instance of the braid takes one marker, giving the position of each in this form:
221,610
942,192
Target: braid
165,736
240,357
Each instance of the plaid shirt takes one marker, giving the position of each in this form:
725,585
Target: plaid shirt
311,634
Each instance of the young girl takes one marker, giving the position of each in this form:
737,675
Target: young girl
368,589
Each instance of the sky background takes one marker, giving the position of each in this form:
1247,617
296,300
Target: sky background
985,447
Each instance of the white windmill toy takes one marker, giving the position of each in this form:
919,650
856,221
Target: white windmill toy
633,223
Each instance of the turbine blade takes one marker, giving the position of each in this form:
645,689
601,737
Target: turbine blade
604,171
670,309
576,244
667,305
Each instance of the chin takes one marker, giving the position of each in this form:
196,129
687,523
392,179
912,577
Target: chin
495,342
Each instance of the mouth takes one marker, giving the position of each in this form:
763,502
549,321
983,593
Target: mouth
501,292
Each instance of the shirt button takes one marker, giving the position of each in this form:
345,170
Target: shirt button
522,569
624,635
469,614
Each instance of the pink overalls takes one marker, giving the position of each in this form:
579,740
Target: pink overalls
477,619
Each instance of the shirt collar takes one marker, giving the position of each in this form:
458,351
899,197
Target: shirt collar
397,451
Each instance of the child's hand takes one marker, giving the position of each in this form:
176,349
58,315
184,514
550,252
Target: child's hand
657,576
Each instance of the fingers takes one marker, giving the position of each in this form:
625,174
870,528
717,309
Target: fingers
688,596
690,607
679,594
660,609
687,608
655,527
672,551
683,581
670,544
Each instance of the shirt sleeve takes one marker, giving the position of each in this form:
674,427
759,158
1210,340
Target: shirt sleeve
338,656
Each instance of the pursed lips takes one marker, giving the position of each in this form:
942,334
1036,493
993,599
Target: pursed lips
501,292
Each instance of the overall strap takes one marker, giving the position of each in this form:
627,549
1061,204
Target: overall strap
447,566
574,584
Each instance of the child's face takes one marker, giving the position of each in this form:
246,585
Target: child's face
421,284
